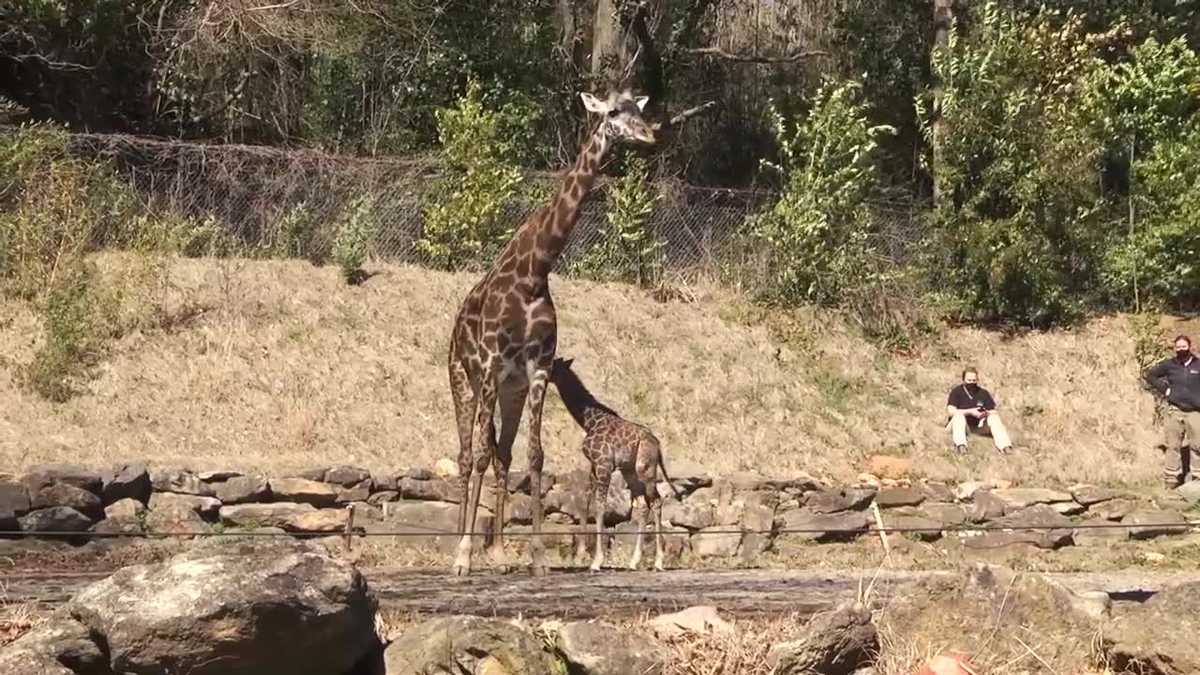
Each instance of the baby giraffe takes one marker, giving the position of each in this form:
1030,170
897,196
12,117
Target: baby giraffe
612,442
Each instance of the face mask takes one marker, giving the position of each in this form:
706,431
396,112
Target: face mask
972,388
1183,355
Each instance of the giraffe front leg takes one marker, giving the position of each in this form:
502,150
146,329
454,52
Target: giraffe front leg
465,405
600,502
537,397
636,558
485,438
581,530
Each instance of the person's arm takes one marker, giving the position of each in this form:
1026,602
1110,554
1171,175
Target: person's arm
953,409
1156,378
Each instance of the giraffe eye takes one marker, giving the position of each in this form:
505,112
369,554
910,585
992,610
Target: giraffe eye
613,113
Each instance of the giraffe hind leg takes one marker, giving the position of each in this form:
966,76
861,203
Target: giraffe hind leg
512,401
485,440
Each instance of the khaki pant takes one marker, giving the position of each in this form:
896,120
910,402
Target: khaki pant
1180,430
992,425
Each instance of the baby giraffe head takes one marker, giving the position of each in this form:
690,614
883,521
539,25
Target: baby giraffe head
560,370
622,116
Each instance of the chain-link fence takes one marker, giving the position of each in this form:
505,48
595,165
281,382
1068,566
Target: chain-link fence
250,190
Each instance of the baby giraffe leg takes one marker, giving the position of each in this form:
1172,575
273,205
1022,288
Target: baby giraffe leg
654,503
600,499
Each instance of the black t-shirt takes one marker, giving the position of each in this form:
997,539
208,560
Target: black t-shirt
962,397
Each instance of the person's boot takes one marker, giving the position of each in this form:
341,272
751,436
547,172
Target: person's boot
1172,482
960,449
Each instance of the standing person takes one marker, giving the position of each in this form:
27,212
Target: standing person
1178,380
972,408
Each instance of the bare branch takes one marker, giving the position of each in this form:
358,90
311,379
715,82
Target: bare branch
53,65
747,58
684,116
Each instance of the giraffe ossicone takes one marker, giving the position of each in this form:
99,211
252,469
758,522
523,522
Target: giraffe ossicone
505,335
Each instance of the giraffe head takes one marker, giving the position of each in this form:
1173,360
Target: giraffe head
622,113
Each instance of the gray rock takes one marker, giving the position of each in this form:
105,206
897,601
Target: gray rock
41,475
716,542
938,492
425,524
346,476
1019,498
837,642
125,508
1152,523
61,646
204,507
211,612
519,481
65,494
1099,536
594,648
55,519
899,496
435,490
14,498
1190,491
242,490
461,644
384,496
987,506
285,515
689,513
1038,515
950,515
834,501
126,481
360,492
822,527
1115,509
925,529
1152,638
303,491
180,481
175,520
1088,495
218,476
119,525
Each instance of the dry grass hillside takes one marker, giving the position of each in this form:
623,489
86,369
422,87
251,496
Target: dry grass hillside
278,366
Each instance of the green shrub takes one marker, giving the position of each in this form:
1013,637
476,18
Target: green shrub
77,318
355,234
628,249
464,217
819,232
1020,221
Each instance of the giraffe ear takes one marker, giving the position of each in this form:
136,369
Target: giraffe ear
641,102
592,103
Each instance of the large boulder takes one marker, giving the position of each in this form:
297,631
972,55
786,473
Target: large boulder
1154,639
55,519
61,646
836,642
126,481
462,644
65,494
303,491
594,648
206,508
14,498
41,475
242,490
270,610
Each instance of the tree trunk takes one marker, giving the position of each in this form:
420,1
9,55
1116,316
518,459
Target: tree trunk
943,17
624,30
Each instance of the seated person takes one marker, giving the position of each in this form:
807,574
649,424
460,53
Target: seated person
971,407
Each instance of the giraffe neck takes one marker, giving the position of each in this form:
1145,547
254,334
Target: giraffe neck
580,402
554,231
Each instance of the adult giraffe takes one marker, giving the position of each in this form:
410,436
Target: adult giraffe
504,339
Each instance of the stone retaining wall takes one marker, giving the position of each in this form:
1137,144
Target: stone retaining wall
740,515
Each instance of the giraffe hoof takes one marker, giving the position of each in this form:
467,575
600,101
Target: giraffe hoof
462,570
538,570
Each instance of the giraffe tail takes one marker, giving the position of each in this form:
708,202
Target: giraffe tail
663,467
